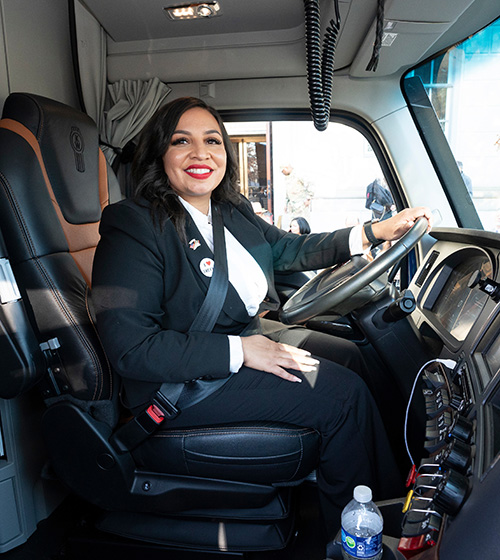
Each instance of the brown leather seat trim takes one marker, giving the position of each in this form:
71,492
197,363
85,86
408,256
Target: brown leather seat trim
82,239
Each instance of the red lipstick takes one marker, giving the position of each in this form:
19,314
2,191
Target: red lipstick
199,171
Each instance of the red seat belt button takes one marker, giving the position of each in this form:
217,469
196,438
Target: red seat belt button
155,414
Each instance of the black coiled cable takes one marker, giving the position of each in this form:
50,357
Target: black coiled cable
320,63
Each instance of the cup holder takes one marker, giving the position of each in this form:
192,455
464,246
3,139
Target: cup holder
393,516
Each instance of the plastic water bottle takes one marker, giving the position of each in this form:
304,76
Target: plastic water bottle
362,526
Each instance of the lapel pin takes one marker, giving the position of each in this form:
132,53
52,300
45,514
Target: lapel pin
194,244
207,267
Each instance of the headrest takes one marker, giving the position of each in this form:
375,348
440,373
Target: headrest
69,144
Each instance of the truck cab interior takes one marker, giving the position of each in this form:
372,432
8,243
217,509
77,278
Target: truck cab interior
342,95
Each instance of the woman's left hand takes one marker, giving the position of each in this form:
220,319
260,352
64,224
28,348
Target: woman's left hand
395,227
262,354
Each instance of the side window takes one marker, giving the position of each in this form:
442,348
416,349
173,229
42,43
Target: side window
331,179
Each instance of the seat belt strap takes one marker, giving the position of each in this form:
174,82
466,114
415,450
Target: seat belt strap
205,320
163,405
217,289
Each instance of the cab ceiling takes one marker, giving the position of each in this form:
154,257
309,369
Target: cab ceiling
264,38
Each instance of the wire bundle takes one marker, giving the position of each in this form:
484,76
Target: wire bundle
379,34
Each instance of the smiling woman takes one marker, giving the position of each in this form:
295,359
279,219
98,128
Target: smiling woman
426,119
150,282
195,161
192,145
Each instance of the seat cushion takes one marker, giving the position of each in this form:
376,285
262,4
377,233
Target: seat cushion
257,452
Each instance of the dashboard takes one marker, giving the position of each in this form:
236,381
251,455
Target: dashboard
455,305
457,292
456,485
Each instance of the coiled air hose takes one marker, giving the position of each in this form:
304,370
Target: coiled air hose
320,63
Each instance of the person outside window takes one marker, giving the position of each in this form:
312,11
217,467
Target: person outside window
298,193
300,225
379,199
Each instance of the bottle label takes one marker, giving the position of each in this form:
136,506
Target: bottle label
361,547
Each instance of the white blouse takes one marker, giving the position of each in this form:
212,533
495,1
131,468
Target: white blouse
244,272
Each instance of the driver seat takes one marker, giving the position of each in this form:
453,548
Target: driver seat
225,487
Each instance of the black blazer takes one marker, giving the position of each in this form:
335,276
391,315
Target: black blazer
147,288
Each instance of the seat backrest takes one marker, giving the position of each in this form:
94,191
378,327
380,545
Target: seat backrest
54,182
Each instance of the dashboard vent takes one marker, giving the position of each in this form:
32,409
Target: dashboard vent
425,271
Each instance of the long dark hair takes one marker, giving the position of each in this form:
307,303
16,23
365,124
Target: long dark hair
151,181
303,224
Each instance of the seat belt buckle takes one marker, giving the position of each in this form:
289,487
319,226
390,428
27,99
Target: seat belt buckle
134,432
162,408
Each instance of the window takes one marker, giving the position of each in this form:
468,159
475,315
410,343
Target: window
289,169
463,86
251,146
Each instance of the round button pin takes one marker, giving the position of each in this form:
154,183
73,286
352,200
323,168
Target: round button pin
207,267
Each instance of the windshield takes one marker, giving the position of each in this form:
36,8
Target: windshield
463,87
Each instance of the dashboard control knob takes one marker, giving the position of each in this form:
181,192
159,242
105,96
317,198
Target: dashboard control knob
463,429
399,309
458,456
451,492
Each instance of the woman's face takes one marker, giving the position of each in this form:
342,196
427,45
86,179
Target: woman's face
294,226
195,161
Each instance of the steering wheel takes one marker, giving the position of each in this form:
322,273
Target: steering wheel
357,280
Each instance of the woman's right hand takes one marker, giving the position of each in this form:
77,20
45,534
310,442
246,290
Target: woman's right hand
266,355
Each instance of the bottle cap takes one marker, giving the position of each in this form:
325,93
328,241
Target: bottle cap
362,494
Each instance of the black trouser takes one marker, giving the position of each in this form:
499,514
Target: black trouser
337,403
332,348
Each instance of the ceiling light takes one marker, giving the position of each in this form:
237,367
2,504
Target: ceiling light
200,10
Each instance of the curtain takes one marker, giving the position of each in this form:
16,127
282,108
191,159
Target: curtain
91,43
131,104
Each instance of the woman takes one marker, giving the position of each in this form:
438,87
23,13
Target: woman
300,226
151,273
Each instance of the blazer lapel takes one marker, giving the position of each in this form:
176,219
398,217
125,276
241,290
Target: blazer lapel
251,237
197,251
